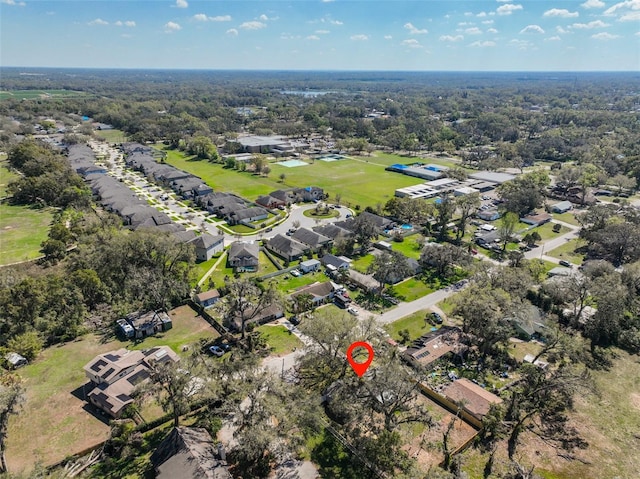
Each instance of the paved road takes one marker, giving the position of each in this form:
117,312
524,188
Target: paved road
550,245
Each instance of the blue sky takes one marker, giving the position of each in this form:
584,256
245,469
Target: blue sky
559,35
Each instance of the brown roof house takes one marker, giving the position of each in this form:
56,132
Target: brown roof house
244,256
287,248
208,298
190,453
115,375
319,292
434,345
474,399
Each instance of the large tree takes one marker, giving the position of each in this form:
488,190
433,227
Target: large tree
525,193
466,205
443,257
246,300
388,268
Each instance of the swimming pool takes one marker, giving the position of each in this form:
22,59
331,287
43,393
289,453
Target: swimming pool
406,227
292,163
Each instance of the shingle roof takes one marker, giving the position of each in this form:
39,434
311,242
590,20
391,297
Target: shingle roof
310,238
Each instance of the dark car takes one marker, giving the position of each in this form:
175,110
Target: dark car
436,318
565,263
295,320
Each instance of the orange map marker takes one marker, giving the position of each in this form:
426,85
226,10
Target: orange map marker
360,368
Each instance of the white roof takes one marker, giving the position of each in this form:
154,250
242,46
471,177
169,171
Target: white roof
441,182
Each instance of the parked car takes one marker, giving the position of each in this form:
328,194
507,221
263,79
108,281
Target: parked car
295,272
295,320
353,311
436,318
216,351
565,263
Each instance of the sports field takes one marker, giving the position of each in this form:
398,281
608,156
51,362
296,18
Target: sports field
38,94
359,181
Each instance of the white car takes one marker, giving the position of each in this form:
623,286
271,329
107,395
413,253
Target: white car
295,273
352,310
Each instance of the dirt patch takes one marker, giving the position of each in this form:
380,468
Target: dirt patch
635,400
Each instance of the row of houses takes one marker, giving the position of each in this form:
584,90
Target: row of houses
117,198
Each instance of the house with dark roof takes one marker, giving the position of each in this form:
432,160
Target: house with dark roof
310,193
207,246
287,248
247,215
115,375
473,399
265,315
207,299
312,239
149,323
190,453
270,202
287,196
336,262
333,231
243,256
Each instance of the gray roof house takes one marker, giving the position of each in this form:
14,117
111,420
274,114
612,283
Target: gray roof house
287,248
247,215
333,231
244,256
207,246
311,238
190,453
337,262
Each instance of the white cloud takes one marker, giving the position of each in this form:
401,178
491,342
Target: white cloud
233,32
412,43
414,30
98,21
13,3
252,25
560,12
313,37
171,27
627,4
630,17
637,34
451,38
481,14
508,9
322,32
129,23
468,14
559,29
388,37
503,1
359,38
590,25
201,17
492,30
119,24
487,22
264,18
604,36
483,44
182,3
532,29
553,39
592,4
521,44
335,22
473,31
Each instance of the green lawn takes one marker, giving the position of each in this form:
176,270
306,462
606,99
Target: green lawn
287,284
415,323
112,136
411,289
22,230
359,181
568,251
265,267
39,94
281,341
53,423
6,175
409,247
200,269
567,217
546,231
362,263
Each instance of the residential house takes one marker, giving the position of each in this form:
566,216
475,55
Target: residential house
286,196
311,193
207,299
149,323
312,239
528,322
287,248
115,375
561,207
433,345
488,215
473,399
270,202
536,219
266,315
207,246
243,256
335,262
333,231
319,293
310,266
190,453
247,215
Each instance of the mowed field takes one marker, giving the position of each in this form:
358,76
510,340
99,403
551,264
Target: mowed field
360,181
22,230
55,421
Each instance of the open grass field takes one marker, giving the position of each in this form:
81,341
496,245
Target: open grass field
6,175
568,251
361,263
546,231
288,284
281,341
359,181
410,247
112,136
54,421
22,230
39,94
265,267
415,323
568,217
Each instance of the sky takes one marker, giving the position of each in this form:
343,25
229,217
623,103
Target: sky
386,35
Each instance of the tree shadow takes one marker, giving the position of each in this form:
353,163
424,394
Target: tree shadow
81,394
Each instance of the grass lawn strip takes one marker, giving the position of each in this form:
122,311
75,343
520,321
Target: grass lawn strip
568,251
53,423
281,341
415,323
411,289
22,230
6,175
